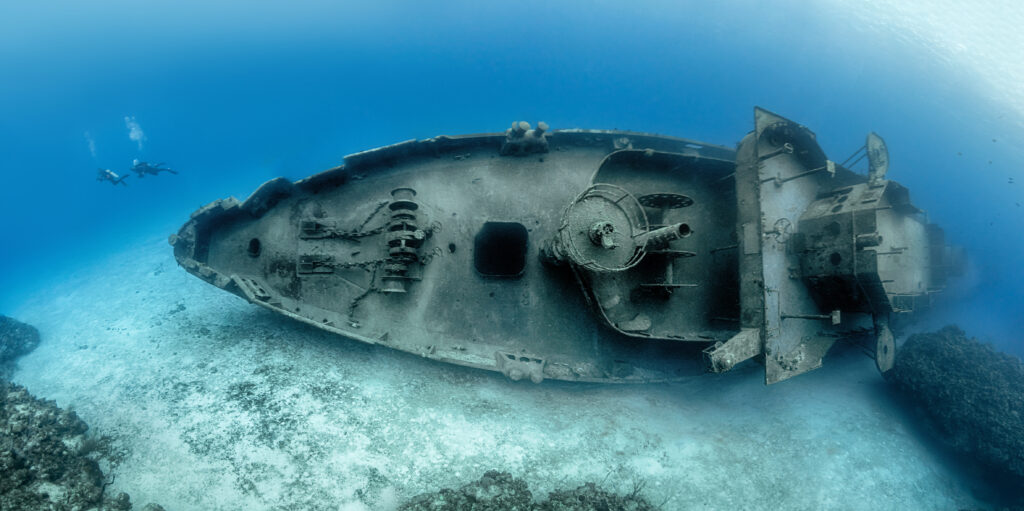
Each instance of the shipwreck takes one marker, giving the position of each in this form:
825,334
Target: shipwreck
587,255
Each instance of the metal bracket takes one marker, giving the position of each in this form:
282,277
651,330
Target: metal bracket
252,288
517,367
314,263
835,317
722,357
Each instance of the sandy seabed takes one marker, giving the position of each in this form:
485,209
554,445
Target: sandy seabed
218,404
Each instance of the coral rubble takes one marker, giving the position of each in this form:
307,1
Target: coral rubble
44,461
500,491
971,393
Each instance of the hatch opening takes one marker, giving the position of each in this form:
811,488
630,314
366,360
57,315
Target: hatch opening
500,249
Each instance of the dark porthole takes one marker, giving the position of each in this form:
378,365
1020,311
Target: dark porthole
499,249
254,247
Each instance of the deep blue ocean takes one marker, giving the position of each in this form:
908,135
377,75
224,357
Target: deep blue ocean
232,94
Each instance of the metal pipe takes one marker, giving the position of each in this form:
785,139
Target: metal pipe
664,235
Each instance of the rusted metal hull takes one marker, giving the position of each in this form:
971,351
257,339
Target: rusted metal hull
601,256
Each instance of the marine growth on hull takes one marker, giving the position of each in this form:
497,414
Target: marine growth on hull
586,255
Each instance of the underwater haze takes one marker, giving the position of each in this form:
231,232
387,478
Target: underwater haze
232,94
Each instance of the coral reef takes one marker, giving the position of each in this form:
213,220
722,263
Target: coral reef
44,462
47,462
589,497
16,339
500,491
970,392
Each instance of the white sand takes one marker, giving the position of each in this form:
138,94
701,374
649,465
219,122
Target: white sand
219,404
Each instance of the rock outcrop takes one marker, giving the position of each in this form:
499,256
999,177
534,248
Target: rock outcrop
16,339
971,393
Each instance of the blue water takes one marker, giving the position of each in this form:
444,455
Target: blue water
237,93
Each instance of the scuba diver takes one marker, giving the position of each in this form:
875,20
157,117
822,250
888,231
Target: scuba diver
142,168
110,175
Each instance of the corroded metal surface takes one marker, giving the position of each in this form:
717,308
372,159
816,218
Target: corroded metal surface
583,255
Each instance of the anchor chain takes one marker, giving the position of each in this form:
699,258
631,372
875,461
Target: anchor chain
313,229
355,235
355,301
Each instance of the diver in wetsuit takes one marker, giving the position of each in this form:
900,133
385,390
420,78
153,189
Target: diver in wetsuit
142,168
110,175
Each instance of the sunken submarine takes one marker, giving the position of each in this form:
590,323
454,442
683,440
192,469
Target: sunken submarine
587,255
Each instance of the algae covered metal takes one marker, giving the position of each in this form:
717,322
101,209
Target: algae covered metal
585,255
